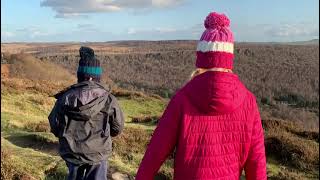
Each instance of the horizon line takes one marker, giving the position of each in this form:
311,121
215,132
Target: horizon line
35,42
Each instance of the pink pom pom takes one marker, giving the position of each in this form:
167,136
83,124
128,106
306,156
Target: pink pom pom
215,20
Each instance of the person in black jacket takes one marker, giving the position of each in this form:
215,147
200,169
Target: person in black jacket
84,118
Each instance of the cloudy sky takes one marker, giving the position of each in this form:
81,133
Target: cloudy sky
108,20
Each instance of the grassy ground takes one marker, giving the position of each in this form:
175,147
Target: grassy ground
25,134
31,150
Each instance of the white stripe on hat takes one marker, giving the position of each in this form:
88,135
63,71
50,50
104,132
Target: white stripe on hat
206,46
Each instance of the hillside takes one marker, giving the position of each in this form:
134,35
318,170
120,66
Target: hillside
311,42
284,78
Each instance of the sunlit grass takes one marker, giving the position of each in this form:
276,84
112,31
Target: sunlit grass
29,161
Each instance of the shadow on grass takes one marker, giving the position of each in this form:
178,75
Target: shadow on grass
34,141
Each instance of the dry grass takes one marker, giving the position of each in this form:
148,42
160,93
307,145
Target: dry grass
20,85
145,119
8,168
28,67
5,70
129,148
131,141
287,142
119,92
42,126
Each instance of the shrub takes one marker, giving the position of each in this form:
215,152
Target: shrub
286,141
166,93
145,119
266,100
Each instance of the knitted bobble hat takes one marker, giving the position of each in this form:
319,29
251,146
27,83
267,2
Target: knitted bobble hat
215,48
89,66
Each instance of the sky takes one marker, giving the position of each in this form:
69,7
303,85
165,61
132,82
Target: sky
111,20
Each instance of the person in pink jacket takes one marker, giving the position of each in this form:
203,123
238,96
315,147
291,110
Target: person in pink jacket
213,123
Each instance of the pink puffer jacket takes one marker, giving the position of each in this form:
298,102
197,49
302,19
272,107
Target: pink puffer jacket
214,126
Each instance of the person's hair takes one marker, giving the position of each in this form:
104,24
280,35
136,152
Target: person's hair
199,71
87,78
196,72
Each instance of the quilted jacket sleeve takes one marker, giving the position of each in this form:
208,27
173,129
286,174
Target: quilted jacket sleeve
162,142
255,166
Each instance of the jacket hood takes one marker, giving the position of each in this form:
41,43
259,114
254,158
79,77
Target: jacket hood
84,100
216,93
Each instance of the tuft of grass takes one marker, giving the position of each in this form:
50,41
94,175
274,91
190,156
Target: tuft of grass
145,119
42,126
293,151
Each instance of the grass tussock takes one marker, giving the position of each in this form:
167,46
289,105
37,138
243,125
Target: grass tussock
288,144
278,125
145,119
20,85
42,126
118,92
131,141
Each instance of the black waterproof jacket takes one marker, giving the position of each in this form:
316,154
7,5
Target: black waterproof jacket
84,118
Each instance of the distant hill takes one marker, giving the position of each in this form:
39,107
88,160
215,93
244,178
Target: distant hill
310,42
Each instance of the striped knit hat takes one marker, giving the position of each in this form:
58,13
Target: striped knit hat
89,66
215,48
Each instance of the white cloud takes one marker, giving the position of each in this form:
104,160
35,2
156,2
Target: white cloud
32,32
165,3
132,31
275,32
165,33
7,34
165,30
70,15
159,30
291,30
80,8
